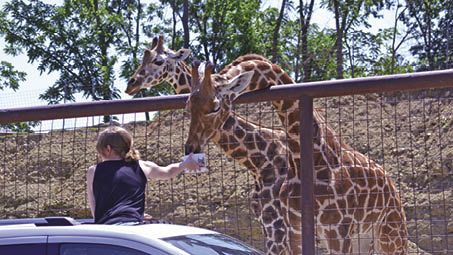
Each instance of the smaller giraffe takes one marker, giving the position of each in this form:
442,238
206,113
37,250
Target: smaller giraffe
261,150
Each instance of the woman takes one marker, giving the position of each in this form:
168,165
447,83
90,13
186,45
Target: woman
116,186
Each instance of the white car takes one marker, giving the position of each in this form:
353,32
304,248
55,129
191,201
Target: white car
66,236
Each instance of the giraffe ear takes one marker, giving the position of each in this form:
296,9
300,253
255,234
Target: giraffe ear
180,55
237,85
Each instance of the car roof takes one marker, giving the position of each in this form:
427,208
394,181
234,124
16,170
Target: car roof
136,232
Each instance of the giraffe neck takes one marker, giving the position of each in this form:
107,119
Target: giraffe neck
180,77
333,149
260,151
257,148
266,74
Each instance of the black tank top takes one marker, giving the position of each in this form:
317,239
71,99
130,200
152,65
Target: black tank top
119,192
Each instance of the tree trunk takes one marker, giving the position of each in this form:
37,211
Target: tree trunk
394,34
173,36
276,33
304,37
298,55
339,39
447,47
137,44
350,57
185,23
137,30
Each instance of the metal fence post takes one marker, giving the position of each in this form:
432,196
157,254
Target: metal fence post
306,175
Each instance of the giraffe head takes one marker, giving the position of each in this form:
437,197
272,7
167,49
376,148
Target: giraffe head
157,64
210,105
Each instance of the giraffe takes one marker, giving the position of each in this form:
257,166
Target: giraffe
330,154
164,66
357,207
261,150
161,64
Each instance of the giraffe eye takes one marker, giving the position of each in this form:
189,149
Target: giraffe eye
159,62
216,106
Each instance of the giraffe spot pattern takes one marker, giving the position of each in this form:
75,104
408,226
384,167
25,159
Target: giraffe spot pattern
269,214
257,159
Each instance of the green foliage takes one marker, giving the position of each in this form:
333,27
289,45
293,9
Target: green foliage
383,66
75,39
224,29
9,77
321,48
432,23
21,127
95,44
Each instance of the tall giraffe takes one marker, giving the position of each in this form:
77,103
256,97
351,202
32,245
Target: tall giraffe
357,204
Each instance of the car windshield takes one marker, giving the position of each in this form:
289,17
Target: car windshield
211,244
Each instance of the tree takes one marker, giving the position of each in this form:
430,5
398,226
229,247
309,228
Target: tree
185,23
180,11
349,14
9,77
430,21
79,39
395,32
275,36
322,48
446,31
223,30
305,14
53,37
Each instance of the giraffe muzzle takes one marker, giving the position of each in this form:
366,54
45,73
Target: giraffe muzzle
132,87
189,148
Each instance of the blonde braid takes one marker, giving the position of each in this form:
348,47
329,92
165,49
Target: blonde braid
132,155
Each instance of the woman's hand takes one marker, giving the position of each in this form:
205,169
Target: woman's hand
189,163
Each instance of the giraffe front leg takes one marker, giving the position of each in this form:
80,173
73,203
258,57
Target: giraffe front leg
290,204
272,223
275,228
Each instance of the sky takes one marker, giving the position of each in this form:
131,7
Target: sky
37,83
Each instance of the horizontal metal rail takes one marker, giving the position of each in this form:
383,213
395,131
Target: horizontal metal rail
376,84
